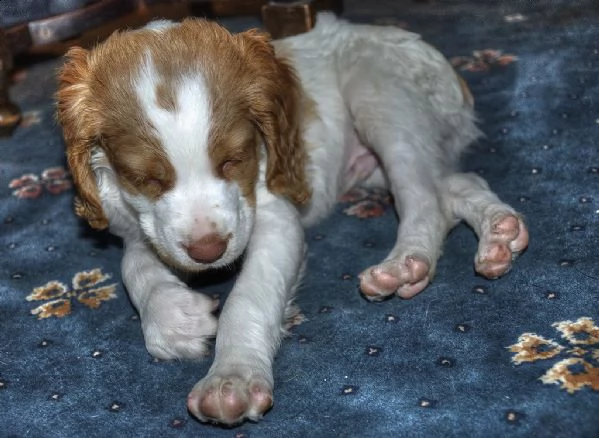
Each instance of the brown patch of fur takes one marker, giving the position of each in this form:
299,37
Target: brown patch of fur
234,152
165,97
140,163
127,138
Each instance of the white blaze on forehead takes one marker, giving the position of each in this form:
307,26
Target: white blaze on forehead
160,25
183,131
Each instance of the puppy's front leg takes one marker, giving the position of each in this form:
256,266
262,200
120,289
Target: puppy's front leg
176,321
239,384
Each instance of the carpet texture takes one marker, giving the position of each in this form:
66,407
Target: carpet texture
518,356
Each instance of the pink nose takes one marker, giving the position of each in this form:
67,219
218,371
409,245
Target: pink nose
208,249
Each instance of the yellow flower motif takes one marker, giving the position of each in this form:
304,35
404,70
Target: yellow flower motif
59,298
58,308
572,380
93,298
572,373
52,289
531,347
86,279
581,332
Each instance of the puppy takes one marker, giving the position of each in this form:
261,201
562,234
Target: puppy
197,146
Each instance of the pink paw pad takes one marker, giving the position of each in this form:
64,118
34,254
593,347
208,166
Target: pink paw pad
506,238
229,400
406,278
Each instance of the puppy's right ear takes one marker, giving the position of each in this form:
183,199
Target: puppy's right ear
80,130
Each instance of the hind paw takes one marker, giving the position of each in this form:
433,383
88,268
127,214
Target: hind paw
501,241
405,277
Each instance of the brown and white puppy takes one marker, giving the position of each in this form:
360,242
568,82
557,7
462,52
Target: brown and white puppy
197,146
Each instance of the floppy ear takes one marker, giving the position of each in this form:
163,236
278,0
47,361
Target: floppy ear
79,129
275,99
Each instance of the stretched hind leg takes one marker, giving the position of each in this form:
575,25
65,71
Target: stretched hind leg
410,265
500,229
416,144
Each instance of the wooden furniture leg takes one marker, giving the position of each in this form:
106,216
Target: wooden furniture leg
19,38
10,116
281,17
284,18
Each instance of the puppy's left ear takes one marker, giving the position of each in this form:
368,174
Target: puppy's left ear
275,100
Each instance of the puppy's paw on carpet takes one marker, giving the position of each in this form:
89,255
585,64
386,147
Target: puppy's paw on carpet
230,399
502,239
405,276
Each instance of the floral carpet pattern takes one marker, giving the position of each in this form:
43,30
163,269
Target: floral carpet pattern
518,356
582,345
58,298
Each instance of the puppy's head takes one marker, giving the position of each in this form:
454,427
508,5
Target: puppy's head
183,113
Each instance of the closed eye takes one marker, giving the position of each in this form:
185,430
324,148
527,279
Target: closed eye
229,166
154,185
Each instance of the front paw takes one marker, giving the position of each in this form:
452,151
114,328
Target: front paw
231,397
177,323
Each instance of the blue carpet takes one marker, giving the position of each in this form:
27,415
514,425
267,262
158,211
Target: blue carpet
517,356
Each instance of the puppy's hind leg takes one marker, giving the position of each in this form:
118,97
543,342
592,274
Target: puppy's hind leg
402,129
500,229
411,263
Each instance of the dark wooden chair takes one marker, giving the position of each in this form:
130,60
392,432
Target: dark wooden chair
22,29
